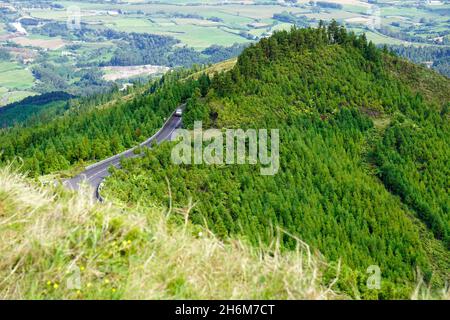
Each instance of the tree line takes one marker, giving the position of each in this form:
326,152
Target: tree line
346,186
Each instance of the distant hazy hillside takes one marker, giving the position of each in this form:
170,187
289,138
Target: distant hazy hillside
60,246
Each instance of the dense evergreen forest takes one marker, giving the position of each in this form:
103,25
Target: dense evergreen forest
94,128
364,153
364,158
438,58
140,48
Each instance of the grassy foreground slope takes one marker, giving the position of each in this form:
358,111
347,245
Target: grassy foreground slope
352,183
56,245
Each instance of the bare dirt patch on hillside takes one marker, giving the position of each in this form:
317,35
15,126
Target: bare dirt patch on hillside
119,72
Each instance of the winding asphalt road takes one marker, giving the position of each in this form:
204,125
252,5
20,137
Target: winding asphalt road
96,173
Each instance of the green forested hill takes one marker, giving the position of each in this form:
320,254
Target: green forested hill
364,157
34,109
364,154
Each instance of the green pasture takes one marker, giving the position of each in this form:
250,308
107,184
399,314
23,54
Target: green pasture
14,76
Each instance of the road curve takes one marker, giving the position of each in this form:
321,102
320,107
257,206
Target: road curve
96,173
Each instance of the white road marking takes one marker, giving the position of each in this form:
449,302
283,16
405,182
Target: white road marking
114,164
148,143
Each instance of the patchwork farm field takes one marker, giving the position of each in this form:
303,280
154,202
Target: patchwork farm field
115,73
193,25
221,23
13,76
